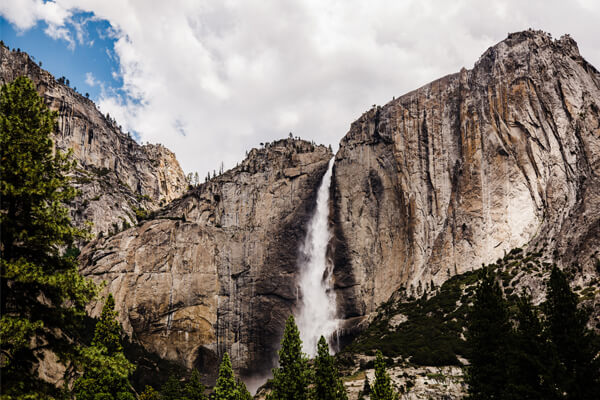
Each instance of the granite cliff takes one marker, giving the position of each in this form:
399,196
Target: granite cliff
115,175
216,270
460,171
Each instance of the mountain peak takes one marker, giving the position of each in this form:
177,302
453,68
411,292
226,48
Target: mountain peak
520,46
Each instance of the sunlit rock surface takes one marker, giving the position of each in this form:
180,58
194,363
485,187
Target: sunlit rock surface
456,173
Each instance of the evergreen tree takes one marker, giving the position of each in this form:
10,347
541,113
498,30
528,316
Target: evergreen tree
291,379
578,373
243,393
108,330
366,390
531,360
327,384
149,393
194,389
226,388
171,390
382,388
106,370
42,294
488,338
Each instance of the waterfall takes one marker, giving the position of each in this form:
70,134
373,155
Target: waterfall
317,312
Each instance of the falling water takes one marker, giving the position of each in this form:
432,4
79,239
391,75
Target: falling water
317,314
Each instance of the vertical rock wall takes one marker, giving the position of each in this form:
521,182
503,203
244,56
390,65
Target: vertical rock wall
116,175
216,270
454,174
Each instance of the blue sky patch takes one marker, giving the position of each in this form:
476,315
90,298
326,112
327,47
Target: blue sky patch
87,61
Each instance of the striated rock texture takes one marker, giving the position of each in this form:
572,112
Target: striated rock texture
116,176
454,174
215,271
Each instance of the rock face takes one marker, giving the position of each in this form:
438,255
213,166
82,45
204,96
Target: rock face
434,183
215,271
454,174
115,174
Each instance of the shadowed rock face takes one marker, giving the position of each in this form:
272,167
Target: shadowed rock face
215,271
454,174
115,174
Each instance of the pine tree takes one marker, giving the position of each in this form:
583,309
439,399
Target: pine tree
226,388
578,372
149,393
43,297
106,370
488,337
366,390
382,388
327,384
243,393
171,390
291,379
108,330
194,389
530,363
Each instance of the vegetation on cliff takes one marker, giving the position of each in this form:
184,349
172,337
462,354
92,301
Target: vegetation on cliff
514,347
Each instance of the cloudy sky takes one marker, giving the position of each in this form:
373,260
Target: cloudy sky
211,79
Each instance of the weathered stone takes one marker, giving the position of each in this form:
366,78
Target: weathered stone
454,174
116,176
216,270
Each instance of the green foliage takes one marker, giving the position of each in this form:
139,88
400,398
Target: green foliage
578,371
243,393
226,387
171,390
327,384
530,357
488,334
43,295
291,379
108,330
194,389
382,388
432,333
140,213
105,368
149,394
526,345
554,358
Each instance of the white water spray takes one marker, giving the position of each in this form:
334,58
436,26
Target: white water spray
317,314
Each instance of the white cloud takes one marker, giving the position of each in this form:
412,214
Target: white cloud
90,79
24,14
211,79
59,32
